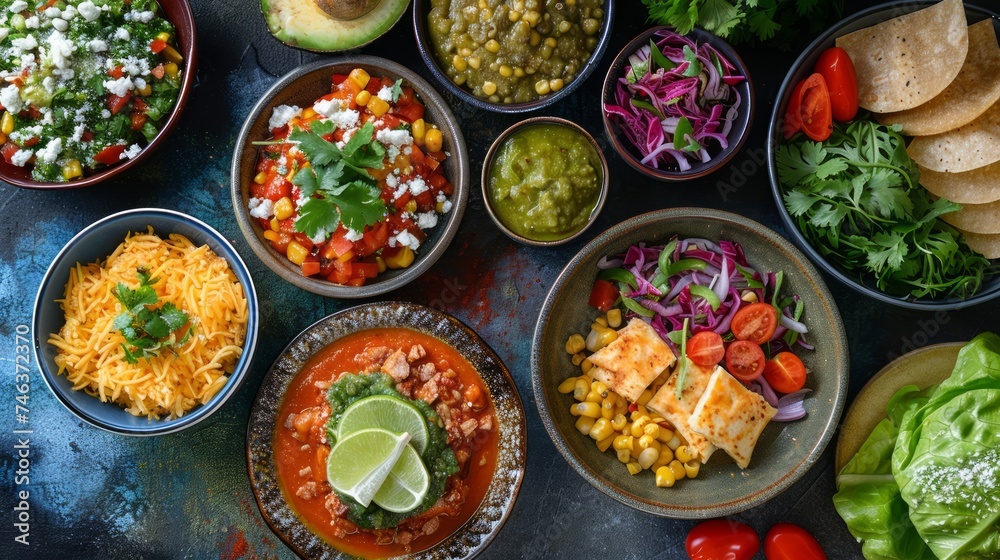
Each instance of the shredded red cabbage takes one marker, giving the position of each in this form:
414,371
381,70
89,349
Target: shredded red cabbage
707,101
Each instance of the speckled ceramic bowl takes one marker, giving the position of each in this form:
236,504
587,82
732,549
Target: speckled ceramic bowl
784,452
421,9
737,136
95,243
487,171
485,523
179,13
302,87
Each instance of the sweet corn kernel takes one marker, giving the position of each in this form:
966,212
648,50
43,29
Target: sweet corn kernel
489,88
518,72
434,140
588,409
634,468
601,430
638,425
607,413
363,97
359,77
691,469
652,430
401,259
581,389
614,318
645,442
578,358
7,123
551,41
619,422
648,457
296,252
145,91
284,208
749,296
459,63
542,87
665,435
584,424
72,169
566,387
666,456
493,46
532,17
475,62
601,321
170,54
677,468
171,69
601,389
665,477
418,129
623,455
260,177
674,442
308,113
381,264
410,206
534,39
377,106
586,366
275,224
684,453
513,15
621,442
3,138
556,84
575,344
270,235
645,397
163,36
506,71
605,443
594,398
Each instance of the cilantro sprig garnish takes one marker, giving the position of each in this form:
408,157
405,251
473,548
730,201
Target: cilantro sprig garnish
147,329
857,199
337,185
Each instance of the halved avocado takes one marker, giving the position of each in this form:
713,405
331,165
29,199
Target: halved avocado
302,24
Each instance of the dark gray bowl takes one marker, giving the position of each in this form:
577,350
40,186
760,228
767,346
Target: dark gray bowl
422,7
784,452
301,87
94,243
799,71
737,136
480,529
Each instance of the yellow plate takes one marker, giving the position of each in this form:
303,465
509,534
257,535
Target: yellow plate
922,367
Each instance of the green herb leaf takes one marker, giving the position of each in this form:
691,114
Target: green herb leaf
682,134
694,65
397,90
640,104
316,216
145,330
658,59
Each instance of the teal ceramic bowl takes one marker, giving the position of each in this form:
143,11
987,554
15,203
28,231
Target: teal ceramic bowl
784,452
94,243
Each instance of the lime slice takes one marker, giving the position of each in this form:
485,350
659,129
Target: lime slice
387,413
407,484
360,463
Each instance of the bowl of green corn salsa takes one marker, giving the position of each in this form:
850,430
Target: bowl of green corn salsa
545,180
512,56
89,87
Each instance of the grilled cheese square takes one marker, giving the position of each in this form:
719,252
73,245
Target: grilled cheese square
630,363
731,416
678,411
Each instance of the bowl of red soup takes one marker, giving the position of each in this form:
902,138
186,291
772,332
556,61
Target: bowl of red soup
350,177
388,429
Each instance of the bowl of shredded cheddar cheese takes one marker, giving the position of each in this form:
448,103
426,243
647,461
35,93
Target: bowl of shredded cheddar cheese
145,322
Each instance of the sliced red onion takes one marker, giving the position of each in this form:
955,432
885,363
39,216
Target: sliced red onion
606,263
791,406
767,392
721,287
793,325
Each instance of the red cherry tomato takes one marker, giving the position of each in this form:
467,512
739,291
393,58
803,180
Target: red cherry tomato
837,69
816,112
755,322
793,118
745,360
110,155
785,373
603,295
705,349
786,541
721,539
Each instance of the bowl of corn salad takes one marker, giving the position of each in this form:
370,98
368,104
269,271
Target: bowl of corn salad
616,435
350,177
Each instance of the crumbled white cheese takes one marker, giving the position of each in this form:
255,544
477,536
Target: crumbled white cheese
281,114
50,153
417,186
78,132
49,83
122,34
32,22
21,157
60,49
3,32
385,94
397,138
135,66
352,235
446,207
405,239
144,17
105,114
139,83
97,45
60,25
337,113
89,11
119,87
427,220
131,152
24,44
18,6
10,98
46,115
52,12
261,208
69,12
392,181
348,134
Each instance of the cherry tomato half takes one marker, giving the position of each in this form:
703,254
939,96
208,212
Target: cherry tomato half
786,541
721,539
755,322
793,117
785,373
815,111
705,349
745,360
837,69
603,295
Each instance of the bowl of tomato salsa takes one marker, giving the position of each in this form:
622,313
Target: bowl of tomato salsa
422,360
350,177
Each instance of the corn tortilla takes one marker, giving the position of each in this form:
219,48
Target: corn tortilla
976,218
969,147
986,244
973,91
908,60
978,186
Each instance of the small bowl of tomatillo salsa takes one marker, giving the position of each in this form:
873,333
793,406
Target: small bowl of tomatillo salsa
512,57
350,177
677,107
89,89
544,181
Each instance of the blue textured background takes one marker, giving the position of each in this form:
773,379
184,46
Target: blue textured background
94,494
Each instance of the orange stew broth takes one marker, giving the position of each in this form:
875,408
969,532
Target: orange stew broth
337,258
291,458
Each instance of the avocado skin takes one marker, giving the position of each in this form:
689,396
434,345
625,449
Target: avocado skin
302,24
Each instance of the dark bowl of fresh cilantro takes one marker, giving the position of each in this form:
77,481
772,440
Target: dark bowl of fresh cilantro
860,213
63,128
355,213
96,244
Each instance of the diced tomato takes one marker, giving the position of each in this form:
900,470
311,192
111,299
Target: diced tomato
603,295
416,155
785,373
406,97
110,155
138,120
116,72
355,282
31,142
304,240
373,86
387,122
158,72
139,105
275,187
745,360
338,244
47,5
408,113
310,267
116,103
338,78
364,270
287,226
338,277
705,349
281,244
8,151
426,201
33,112
403,199
87,136
157,45
374,239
